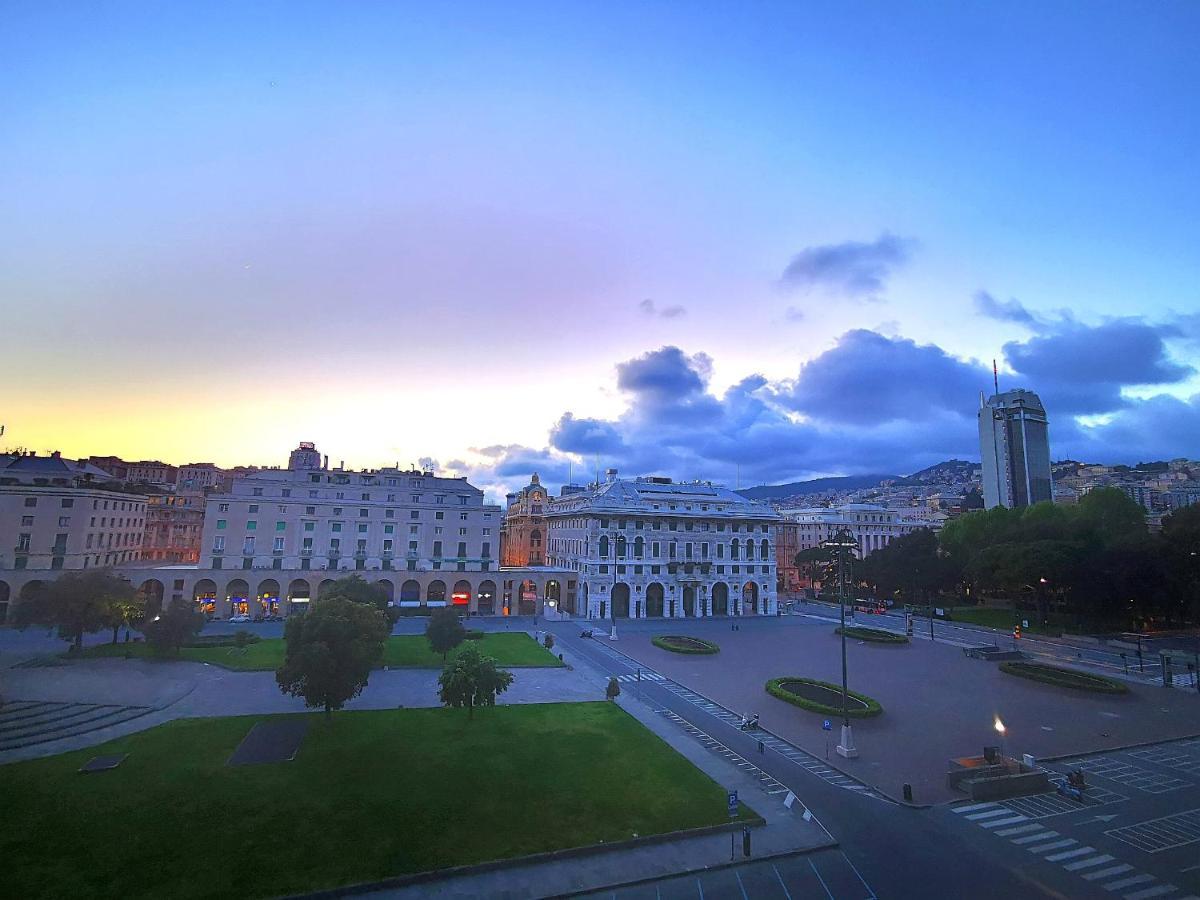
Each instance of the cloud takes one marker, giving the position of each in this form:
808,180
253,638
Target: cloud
666,312
852,269
794,314
869,378
1081,369
1010,310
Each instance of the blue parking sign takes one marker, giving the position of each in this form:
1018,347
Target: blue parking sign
827,725
733,804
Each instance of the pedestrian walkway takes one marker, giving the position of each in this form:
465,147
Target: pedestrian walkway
1101,869
24,723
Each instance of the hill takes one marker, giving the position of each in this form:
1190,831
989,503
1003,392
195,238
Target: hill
813,486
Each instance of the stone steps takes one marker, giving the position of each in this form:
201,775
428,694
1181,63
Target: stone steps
54,721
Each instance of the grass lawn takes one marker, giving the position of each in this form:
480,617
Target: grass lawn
514,649
1004,619
370,794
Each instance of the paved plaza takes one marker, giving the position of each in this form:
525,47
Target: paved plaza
937,703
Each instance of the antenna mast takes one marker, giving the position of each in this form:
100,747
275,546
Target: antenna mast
995,377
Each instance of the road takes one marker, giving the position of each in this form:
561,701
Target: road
896,851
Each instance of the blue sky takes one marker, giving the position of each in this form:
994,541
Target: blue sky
405,231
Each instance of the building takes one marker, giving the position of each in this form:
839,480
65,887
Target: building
305,456
201,477
59,514
523,534
1015,446
872,527
650,547
150,471
174,526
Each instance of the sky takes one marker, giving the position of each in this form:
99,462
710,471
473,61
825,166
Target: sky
746,242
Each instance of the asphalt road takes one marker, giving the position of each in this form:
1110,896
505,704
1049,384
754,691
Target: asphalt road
897,851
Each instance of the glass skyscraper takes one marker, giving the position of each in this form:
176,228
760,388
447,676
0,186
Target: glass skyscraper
1014,443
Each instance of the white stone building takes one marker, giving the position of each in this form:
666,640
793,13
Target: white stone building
873,527
650,547
56,513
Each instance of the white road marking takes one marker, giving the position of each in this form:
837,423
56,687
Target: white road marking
1023,829
1035,837
1156,891
1128,882
1088,863
1109,872
1053,845
1009,821
1070,854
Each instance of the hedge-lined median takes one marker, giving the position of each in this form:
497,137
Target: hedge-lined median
1068,678
786,689
678,643
874,635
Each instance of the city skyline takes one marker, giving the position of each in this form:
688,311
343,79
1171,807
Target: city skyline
785,245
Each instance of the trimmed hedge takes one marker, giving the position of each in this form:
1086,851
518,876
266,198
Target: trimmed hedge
874,635
473,634
222,640
699,645
1068,678
775,688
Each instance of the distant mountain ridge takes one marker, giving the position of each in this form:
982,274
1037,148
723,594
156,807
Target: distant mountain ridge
813,486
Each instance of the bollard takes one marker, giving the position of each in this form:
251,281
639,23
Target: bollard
745,840
908,793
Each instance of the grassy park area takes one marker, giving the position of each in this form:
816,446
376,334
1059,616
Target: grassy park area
369,795
515,649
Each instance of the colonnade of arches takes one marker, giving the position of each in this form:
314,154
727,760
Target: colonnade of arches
656,601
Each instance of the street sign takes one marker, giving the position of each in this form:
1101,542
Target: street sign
827,725
1024,623
733,804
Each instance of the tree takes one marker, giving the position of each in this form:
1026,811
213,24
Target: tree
357,589
126,611
613,691
174,626
330,651
472,680
444,631
77,603
1181,550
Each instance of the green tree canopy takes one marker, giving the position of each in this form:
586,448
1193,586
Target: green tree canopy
78,603
444,631
330,651
174,626
472,680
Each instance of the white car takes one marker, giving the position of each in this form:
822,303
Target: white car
239,618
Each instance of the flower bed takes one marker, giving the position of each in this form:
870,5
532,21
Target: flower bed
679,643
1068,678
873,635
822,697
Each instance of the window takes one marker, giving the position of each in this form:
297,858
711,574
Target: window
363,513
413,529
388,529
412,546
253,507
362,527
335,545
337,526
414,514
28,520
32,501
258,492
462,549
437,548
67,504
487,549
366,496
287,492
278,548
307,543
281,526
310,526
437,529
337,510
462,531
252,525
248,546
462,501
416,498
221,524
463,517
389,514
310,510
439,515
23,543
439,498
312,495
486,532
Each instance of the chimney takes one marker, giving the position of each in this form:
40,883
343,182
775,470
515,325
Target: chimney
325,465
610,475
55,454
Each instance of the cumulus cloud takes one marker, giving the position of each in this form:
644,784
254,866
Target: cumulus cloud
665,312
1081,369
1010,310
853,269
870,403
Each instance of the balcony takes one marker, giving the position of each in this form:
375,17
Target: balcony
307,551
360,554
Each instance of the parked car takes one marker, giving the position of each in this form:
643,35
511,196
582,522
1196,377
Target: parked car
241,617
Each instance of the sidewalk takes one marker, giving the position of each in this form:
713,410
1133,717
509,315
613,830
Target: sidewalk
785,832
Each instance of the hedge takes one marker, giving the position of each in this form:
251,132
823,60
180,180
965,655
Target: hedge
1068,678
775,689
874,635
664,640
222,640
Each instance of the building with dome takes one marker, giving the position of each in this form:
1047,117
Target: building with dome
523,534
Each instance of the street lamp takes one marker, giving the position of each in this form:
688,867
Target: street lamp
1000,730
841,544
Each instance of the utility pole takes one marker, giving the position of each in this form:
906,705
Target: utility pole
841,544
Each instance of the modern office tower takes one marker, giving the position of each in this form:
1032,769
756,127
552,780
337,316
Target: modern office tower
1015,446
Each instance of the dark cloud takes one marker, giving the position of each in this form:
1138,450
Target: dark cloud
1010,310
868,378
853,269
586,437
1080,369
1160,427
665,312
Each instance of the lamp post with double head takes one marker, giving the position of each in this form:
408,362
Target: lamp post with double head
841,545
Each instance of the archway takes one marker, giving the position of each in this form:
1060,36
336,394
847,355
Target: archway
324,586
299,595
689,601
435,594
268,598
749,598
620,601
462,594
720,599
237,592
388,588
410,592
151,593
527,601
5,593
485,600
553,595
654,600
205,595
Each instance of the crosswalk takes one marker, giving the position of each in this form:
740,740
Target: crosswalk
1101,869
642,676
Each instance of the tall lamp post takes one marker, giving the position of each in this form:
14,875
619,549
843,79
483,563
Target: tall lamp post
612,604
841,544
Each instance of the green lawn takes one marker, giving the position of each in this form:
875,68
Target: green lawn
370,795
514,649
1004,619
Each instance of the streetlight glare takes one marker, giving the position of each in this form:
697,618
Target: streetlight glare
999,726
